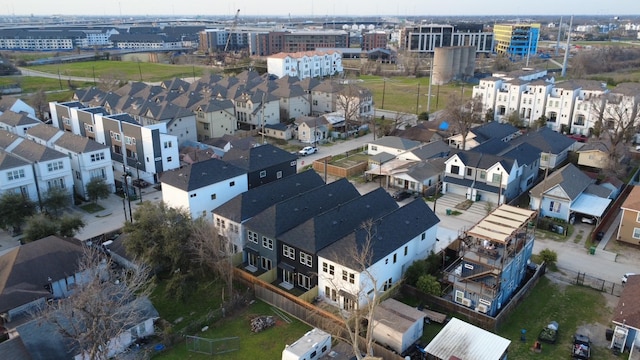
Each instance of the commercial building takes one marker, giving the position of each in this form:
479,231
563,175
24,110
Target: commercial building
516,40
427,37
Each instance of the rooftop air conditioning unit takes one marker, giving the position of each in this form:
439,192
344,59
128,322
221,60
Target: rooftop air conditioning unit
466,302
482,308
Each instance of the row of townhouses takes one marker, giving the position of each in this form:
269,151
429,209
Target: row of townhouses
572,106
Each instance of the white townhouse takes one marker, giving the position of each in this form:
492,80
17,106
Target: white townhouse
52,169
560,102
309,64
203,186
533,101
584,113
16,105
17,123
395,241
16,175
487,90
508,99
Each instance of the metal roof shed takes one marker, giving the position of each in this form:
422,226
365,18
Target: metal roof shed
462,340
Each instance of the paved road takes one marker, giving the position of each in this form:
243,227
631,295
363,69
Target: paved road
29,72
335,148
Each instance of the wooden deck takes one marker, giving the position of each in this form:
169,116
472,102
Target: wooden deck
435,316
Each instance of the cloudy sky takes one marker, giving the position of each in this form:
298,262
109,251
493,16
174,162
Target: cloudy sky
321,8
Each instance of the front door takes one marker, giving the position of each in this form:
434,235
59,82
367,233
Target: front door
288,277
252,259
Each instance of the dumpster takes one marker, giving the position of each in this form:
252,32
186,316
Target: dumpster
448,211
592,250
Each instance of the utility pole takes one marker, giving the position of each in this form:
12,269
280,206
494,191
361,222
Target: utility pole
384,87
418,98
430,83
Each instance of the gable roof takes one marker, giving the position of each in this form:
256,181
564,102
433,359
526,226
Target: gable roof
483,161
632,202
200,174
78,144
332,225
396,142
569,178
628,309
32,151
432,150
252,202
287,214
546,140
390,232
7,138
9,161
17,119
493,130
24,270
461,340
43,131
258,158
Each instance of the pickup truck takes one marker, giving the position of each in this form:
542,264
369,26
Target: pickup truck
581,347
308,150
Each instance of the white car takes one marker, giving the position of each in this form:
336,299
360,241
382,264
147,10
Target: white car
625,277
308,150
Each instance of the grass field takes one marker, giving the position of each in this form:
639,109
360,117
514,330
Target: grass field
127,70
31,84
409,94
267,344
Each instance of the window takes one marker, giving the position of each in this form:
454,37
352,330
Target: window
88,127
15,174
129,140
304,281
169,159
469,172
97,157
406,250
374,148
455,169
424,236
115,136
554,206
497,178
252,236
98,173
213,196
234,228
267,243
638,217
168,144
459,296
387,284
352,278
205,126
293,163
53,166
483,174
330,269
279,175
636,233
265,263
263,173
220,223
395,258
289,252
57,183
306,259
233,183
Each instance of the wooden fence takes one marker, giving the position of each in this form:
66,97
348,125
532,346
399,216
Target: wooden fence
304,311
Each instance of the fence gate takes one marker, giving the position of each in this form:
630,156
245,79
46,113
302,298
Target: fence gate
212,346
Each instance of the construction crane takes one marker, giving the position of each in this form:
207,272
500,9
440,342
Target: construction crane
232,30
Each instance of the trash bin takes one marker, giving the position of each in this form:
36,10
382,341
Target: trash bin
592,250
448,211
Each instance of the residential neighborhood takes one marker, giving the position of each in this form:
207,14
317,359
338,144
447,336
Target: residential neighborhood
299,197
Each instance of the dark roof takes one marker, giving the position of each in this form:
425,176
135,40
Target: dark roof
628,309
200,174
484,161
8,161
258,158
493,130
546,140
389,233
426,169
292,212
24,270
252,202
396,142
569,178
524,153
436,149
14,349
332,225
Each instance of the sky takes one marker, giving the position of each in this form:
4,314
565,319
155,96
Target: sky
321,8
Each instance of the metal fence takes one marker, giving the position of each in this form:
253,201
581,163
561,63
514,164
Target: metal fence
212,346
584,279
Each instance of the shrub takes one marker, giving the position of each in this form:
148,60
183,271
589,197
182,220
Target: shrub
549,256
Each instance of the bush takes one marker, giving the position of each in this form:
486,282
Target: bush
549,256
429,284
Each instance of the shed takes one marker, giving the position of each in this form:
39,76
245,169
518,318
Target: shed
397,325
313,345
461,340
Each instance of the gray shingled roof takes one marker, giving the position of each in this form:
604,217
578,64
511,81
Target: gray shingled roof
324,229
396,142
484,161
17,119
569,178
252,202
78,144
24,270
7,138
258,158
287,214
200,174
390,232
43,131
546,140
8,161
32,151
493,130
432,150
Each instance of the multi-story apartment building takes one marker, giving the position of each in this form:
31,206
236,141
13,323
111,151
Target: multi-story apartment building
516,41
376,39
299,41
425,38
305,64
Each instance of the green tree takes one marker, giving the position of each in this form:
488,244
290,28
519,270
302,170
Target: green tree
541,122
40,226
54,200
413,273
69,225
549,256
97,188
514,119
14,210
429,284
423,116
159,236
489,115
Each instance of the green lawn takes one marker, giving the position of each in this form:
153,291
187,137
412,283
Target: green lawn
91,208
267,344
128,70
30,84
401,93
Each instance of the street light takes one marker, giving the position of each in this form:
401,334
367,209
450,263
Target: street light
126,190
139,183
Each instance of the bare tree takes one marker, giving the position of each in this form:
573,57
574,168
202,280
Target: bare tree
104,305
112,80
464,114
212,251
617,117
359,319
40,104
349,101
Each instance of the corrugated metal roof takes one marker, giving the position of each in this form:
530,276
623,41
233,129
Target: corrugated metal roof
468,342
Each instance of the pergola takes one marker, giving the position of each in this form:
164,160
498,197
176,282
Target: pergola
502,224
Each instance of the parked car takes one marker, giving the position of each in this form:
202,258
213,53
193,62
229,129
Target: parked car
401,195
308,150
588,220
625,277
581,347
